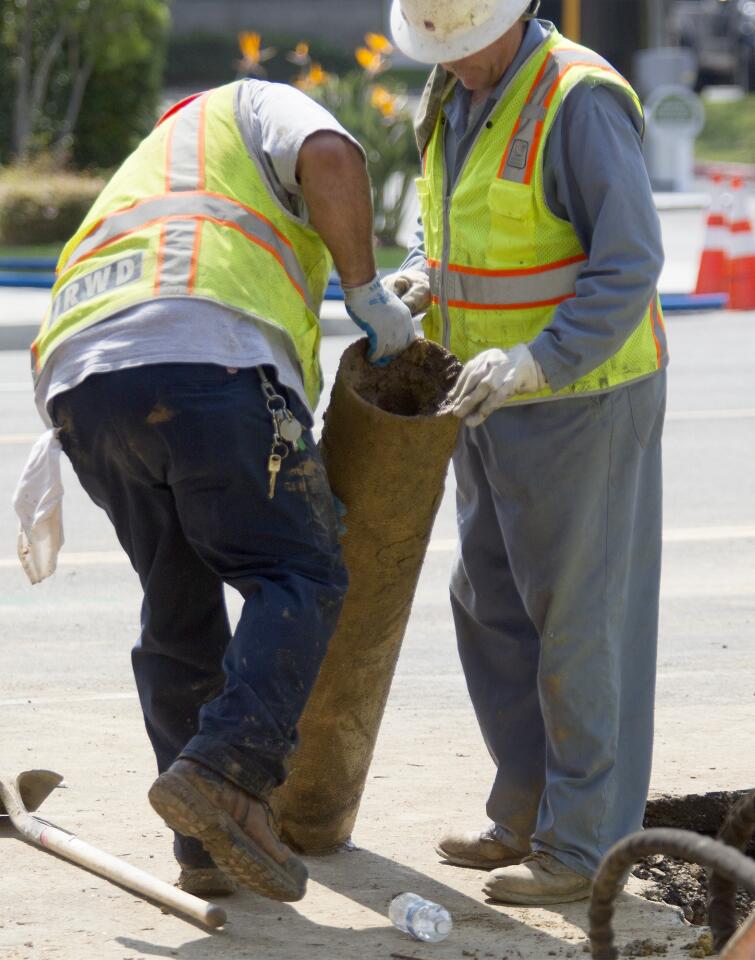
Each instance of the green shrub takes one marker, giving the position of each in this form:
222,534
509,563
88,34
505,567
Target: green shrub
81,78
728,132
38,207
120,108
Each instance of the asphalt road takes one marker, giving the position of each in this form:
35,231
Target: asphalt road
708,604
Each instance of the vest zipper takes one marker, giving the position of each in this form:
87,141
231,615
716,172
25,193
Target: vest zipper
444,258
447,197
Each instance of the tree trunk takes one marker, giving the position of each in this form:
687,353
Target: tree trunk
22,125
42,76
63,143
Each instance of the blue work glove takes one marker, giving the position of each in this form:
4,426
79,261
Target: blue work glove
383,317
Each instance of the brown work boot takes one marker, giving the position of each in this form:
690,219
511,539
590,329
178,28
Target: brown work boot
234,827
205,882
480,849
539,879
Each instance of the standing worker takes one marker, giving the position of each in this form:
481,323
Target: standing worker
539,268
179,362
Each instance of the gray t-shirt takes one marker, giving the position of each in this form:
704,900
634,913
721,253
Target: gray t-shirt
275,120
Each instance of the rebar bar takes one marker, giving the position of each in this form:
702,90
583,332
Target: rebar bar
609,880
736,831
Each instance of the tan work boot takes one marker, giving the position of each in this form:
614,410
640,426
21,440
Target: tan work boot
234,827
480,849
538,879
205,882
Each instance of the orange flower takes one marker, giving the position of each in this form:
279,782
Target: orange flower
315,77
300,55
378,43
386,102
370,60
252,55
249,44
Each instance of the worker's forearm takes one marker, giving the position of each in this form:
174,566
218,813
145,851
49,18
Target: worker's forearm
336,189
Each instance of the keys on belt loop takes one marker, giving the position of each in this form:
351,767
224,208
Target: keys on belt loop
285,423
286,431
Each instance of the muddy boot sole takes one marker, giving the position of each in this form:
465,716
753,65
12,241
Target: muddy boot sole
206,882
189,812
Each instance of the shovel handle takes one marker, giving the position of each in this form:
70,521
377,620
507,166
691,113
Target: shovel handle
71,848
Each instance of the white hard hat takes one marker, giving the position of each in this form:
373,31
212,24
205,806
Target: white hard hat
441,31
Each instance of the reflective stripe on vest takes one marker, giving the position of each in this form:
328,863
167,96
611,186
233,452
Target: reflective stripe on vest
480,289
500,261
518,160
190,213
193,207
182,209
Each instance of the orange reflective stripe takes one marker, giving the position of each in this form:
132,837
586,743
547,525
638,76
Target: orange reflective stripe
133,218
547,64
655,321
160,259
484,289
551,93
186,149
525,138
466,305
514,272
195,257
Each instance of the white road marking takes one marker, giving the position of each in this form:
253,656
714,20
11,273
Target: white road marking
733,414
22,439
86,698
10,439
707,534
439,545
670,535
90,559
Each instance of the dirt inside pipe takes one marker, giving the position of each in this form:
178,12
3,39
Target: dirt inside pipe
415,384
679,882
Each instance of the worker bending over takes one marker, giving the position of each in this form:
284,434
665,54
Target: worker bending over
179,362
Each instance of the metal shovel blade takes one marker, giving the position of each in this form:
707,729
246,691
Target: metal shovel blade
32,787
22,794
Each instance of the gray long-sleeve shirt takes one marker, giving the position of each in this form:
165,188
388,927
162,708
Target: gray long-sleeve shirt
594,177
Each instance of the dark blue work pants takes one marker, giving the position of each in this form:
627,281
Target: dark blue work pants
177,455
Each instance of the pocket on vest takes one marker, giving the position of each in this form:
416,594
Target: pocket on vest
511,237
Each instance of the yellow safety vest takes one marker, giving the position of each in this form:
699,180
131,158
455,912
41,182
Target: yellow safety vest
189,214
500,261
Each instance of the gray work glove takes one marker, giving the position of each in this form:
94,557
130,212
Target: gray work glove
491,378
412,285
383,317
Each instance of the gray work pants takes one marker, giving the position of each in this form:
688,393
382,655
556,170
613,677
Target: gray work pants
555,602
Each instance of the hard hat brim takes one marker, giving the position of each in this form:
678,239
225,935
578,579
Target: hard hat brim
425,49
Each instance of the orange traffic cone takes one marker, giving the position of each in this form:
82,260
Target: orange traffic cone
741,251
712,277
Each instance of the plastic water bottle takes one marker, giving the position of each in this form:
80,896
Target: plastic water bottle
420,918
